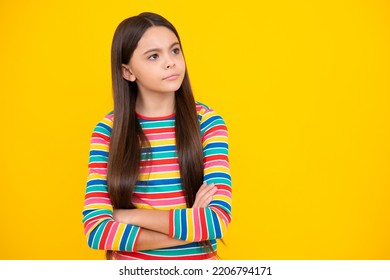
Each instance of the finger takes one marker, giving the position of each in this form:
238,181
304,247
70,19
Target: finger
204,188
207,197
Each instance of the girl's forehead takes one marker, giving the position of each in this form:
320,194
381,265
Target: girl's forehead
157,37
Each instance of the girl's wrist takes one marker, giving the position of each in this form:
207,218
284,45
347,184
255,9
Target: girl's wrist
123,216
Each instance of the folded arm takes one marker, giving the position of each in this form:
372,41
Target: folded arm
211,222
103,231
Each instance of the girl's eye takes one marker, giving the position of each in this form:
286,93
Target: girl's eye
153,57
176,51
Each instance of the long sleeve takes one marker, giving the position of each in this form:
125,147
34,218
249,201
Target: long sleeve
101,230
211,222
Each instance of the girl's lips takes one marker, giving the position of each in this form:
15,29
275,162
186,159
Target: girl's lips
171,77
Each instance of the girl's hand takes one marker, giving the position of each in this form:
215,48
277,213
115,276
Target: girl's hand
204,195
118,215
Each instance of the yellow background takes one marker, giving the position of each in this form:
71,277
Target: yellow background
303,86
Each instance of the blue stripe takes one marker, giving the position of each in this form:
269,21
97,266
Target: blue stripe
159,182
86,212
217,227
164,148
98,153
223,204
90,237
209,121
125,237
142,120
216,145
108,128
96,182
216,175
183,222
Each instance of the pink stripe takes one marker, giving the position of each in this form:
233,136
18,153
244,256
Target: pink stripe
221,214
98,140
100,171
224,193
111,235
93,221
162,168
160,202
215,134
89,225
98,201
165,136
196,222
213,163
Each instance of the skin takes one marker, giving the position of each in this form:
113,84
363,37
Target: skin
158,67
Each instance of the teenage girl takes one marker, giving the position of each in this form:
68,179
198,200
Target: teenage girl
159,184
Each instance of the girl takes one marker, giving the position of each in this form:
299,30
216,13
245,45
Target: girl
159,183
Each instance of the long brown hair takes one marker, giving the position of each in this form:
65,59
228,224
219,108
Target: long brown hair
127,138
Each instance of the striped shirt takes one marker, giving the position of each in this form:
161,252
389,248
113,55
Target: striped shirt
159,187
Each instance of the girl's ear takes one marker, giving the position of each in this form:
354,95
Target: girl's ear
127,74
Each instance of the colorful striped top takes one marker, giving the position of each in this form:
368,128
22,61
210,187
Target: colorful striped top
159,187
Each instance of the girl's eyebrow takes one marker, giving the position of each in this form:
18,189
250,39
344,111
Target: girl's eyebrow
157,49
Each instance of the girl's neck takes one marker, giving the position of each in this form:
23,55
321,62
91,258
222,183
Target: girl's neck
158,105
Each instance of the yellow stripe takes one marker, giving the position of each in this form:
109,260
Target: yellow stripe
93,176
165,175
156,143
208,115
217,169
118,235
222,197
190,224
213,139
107,122
100,147
95,206
144,206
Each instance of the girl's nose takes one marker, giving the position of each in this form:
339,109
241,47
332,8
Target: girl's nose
169,63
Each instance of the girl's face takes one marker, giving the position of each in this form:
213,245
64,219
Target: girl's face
157,64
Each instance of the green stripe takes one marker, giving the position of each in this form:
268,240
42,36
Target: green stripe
210,223
97,188
162,155
222,181
158,124
132,235
97,213
216,151
98,234
157,189
97,158
177,229
102,130
212,124
182,252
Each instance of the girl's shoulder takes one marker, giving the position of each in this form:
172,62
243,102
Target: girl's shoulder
207,114
202,108
105,125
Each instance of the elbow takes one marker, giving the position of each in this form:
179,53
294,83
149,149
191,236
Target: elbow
221,223
91,232
91,240
92,245
219,234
